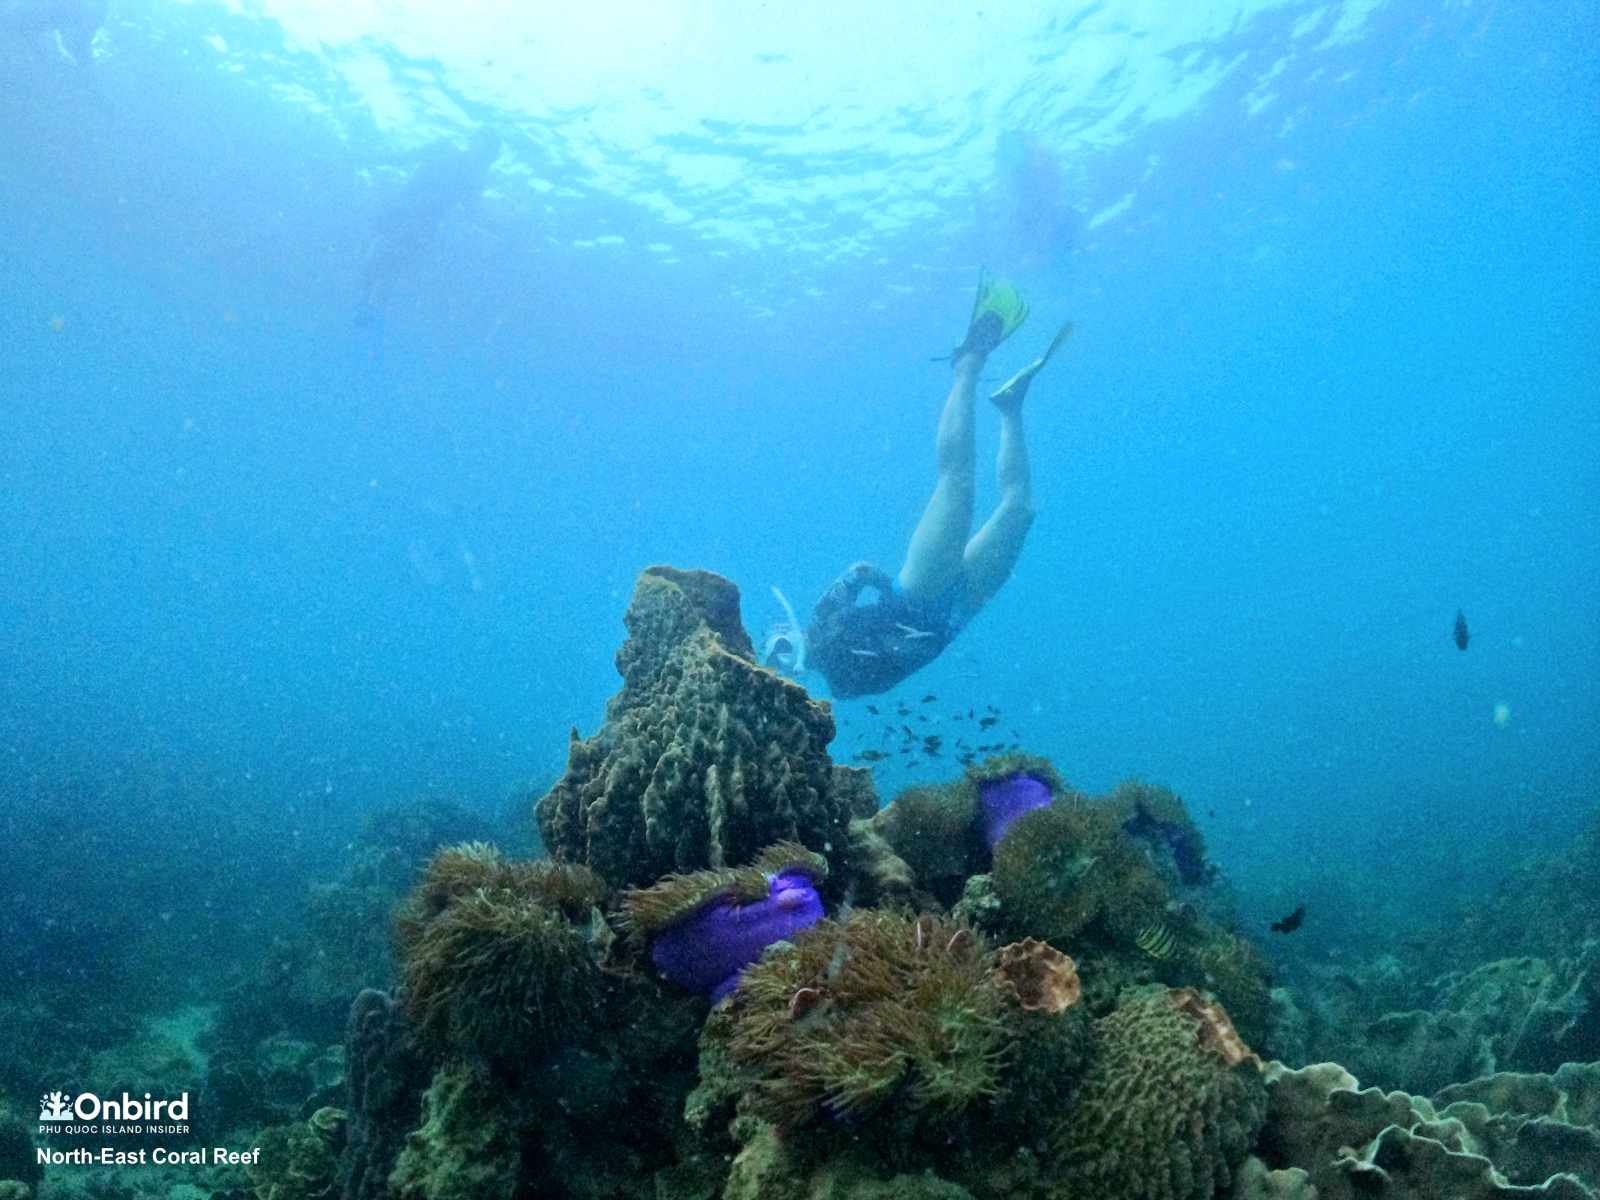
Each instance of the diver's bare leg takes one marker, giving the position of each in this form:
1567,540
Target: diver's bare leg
934,558
993,551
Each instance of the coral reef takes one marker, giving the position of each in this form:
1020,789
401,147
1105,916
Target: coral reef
1167,1108
707,926
877,1007
499,957
1324,1132
946,831
1547,907
704,758
1061,868
464,1149
1005,799
384,1083
1519,1014
935,831
1037,977
300,1161
1160,818
17,1159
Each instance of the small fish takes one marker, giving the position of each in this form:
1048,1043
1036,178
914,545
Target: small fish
988,722
931,751
910,732
873,709
903,711
1461,635
865,653
1156,941
1290,923
929,698
922,718
966,760
871,756
912,634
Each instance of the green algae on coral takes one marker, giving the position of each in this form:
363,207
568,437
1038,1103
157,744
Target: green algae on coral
300,1161
464,1148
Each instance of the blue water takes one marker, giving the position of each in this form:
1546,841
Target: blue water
1336,375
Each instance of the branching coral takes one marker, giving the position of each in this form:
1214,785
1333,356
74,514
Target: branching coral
876,1008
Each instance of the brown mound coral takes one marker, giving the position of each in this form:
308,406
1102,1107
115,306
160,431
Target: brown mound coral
877,1008
1161,1113
705,757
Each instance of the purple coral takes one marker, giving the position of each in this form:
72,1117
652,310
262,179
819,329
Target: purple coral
1007,798
707,950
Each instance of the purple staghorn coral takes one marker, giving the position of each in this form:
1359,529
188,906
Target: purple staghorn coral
707,950
1007,798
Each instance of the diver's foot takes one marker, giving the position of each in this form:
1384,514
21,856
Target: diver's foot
1010,394
997,313
1008,397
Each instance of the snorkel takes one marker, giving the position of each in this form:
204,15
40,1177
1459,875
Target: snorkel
785,645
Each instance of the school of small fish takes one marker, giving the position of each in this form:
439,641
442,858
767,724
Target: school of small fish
897,717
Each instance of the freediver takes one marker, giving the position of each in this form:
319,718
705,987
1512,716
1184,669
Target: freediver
449,176
868,631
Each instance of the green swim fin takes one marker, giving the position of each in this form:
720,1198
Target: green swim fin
997,313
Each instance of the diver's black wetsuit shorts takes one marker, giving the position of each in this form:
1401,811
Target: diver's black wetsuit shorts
868,648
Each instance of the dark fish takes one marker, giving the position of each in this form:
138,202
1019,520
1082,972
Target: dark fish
929,698
922,718
873,709
1461,635
910,732
903,711
931,751
1290,923
988,722
871,756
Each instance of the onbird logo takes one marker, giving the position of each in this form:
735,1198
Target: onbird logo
55,1106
